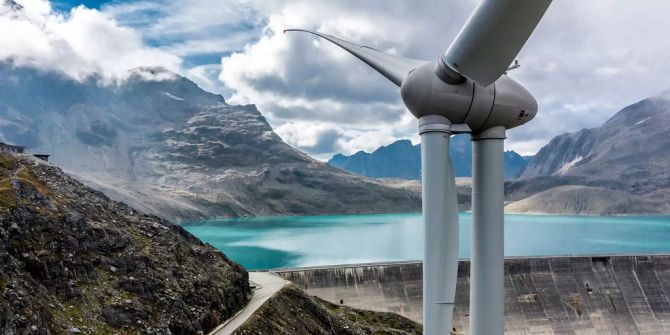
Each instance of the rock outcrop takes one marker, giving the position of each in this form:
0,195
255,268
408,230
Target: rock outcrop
73,261
292,312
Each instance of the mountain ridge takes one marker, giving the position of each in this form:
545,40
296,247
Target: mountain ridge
627,154
160,143
402,159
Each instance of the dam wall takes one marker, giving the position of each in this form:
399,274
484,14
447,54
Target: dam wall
544,295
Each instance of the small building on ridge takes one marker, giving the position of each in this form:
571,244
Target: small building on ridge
15,149
42,157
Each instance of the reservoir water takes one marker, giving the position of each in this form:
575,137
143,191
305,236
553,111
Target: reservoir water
296,241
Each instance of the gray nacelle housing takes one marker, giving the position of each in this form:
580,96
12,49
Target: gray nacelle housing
504,103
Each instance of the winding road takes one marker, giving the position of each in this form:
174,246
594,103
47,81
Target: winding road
266,284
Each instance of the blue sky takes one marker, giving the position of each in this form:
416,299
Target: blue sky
585,61
67,5
143,19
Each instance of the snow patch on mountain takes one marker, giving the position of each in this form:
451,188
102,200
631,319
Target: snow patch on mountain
642,121
172,96
567,166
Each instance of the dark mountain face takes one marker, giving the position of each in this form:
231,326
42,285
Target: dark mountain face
73,261
157,141
232,127
401,159
514,164
628,153
12,5
384,162
631,147
49,112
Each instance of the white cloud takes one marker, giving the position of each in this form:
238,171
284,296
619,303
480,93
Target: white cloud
297,80
198,16
189,27
587,60
192,29
322,139
212,45
206,77
316,137
80,43
608,71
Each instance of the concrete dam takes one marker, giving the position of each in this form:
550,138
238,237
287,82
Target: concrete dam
544,295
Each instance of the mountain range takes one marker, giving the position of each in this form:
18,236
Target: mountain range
620,167
402,159
157,141
617,168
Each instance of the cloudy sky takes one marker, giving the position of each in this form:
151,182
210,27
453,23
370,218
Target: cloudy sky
586,60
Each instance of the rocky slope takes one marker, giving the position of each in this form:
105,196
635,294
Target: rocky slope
463,189
73,261
578,200
627,155
292,312
402,159
630,146
158,142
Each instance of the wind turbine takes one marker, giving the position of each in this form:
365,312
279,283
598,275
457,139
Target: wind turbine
466,90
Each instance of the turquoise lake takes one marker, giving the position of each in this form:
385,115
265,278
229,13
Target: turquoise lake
296,241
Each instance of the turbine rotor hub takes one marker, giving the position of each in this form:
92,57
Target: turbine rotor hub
504,103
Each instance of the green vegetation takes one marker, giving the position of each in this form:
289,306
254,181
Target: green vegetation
8,196
7,163
27,176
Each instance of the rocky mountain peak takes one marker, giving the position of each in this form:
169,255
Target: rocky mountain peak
627,155
635,131
11,9
12,5
641,112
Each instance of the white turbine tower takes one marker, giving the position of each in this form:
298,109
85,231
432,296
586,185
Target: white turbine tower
464,91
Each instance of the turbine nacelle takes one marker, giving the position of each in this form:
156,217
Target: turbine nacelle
504,103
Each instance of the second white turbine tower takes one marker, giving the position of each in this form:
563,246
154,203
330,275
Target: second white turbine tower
465,90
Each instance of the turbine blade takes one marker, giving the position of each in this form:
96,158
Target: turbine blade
493,37
394,68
